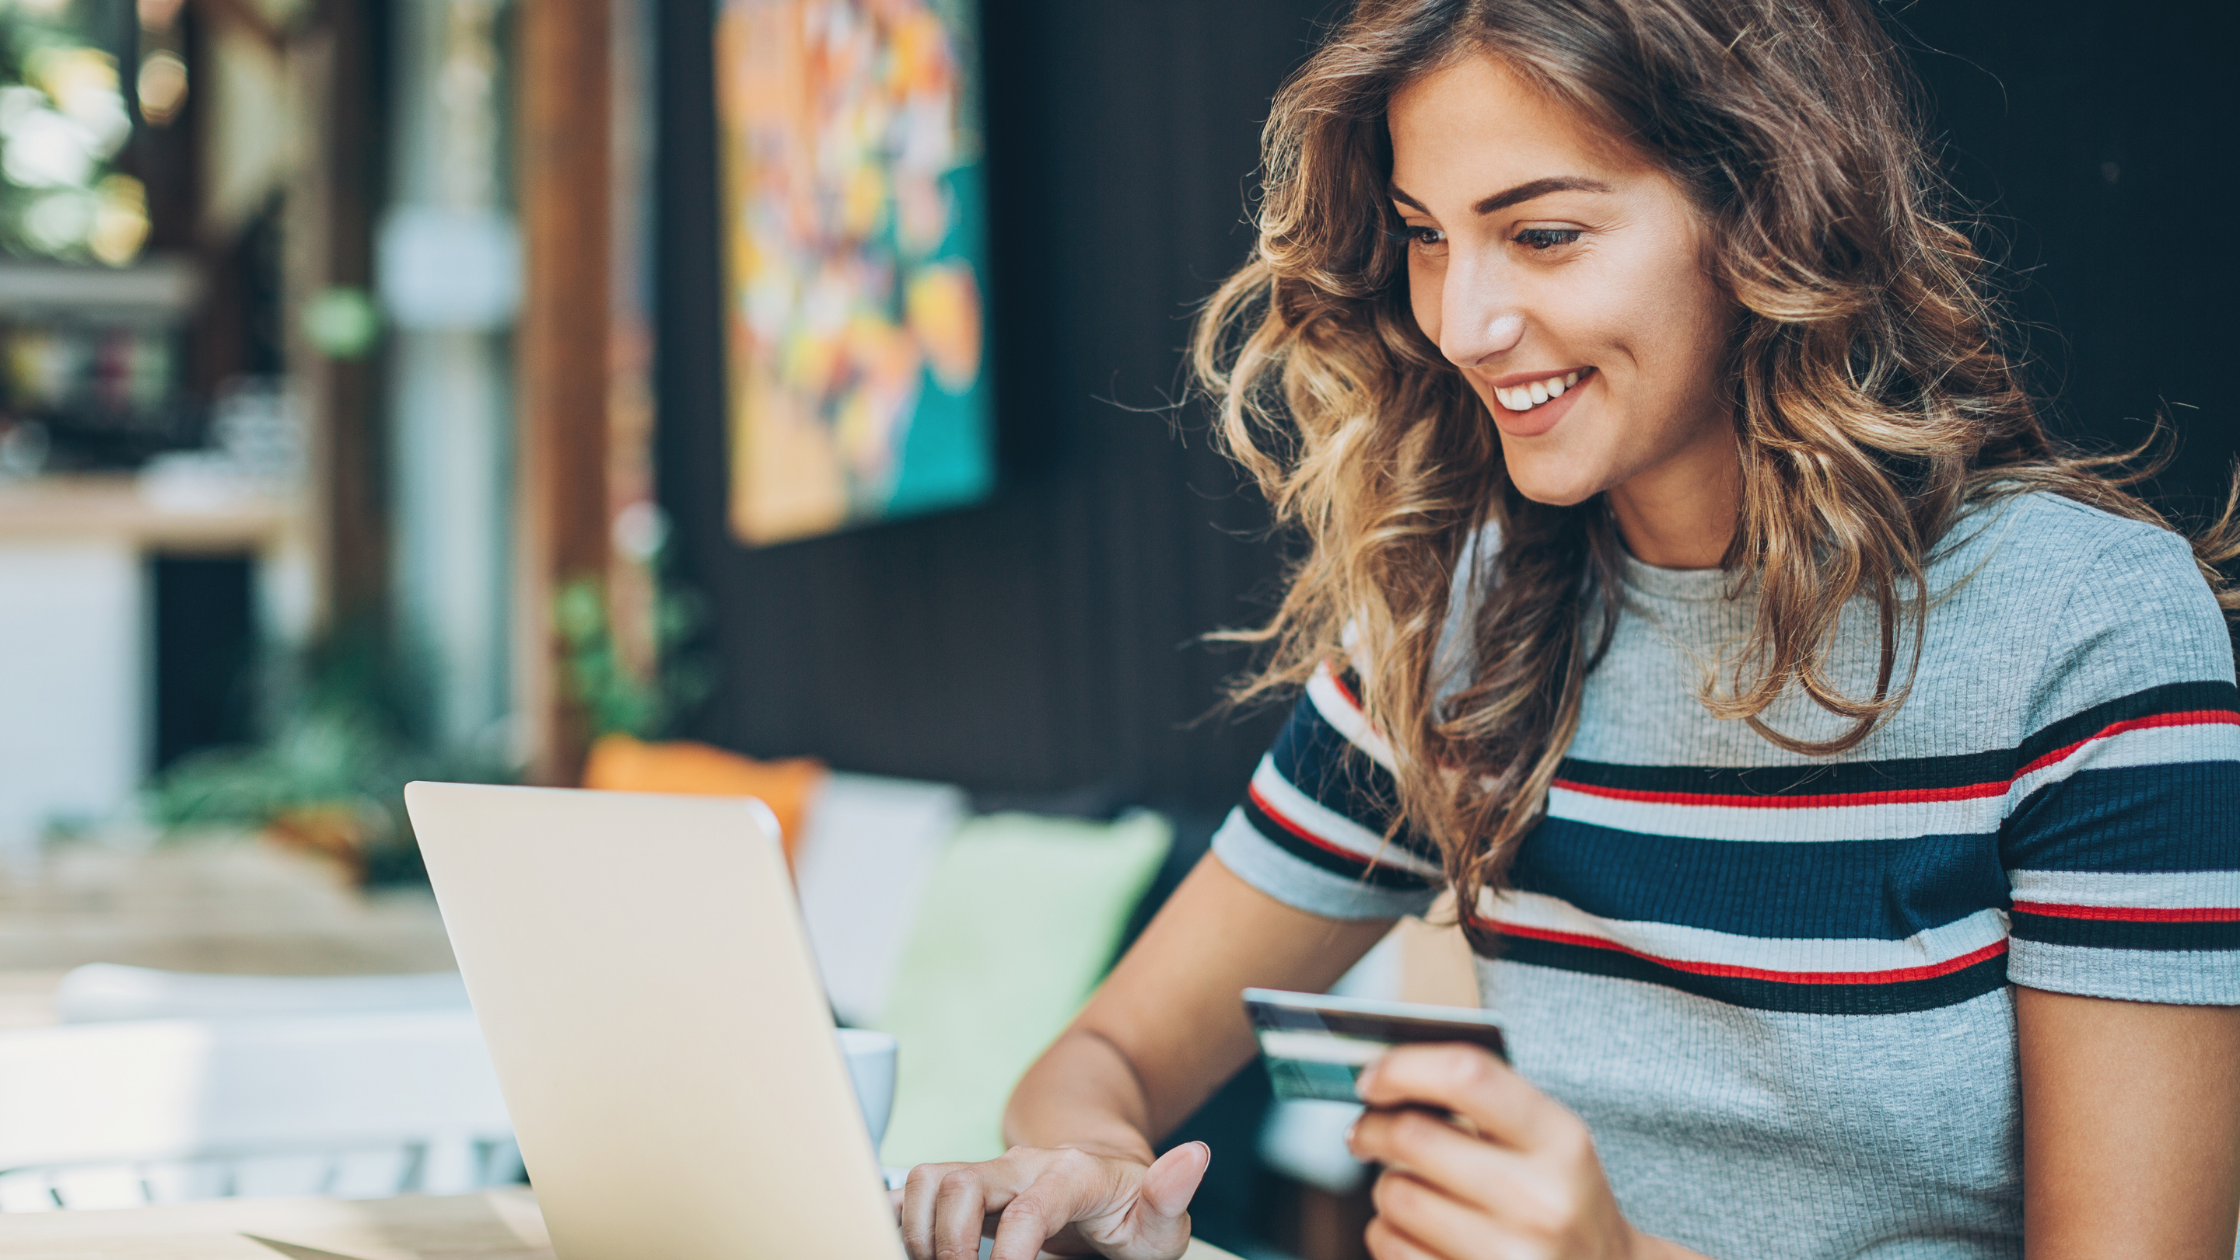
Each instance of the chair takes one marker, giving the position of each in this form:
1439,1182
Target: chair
971,1006
868,850
353,1105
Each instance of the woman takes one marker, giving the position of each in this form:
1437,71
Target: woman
1842,786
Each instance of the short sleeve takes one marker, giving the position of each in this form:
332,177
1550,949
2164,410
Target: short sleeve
1311,830
2122,843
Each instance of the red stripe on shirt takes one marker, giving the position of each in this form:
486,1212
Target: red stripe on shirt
2198,717
1891,976
1299,829
1345,693
2133,914
1906,796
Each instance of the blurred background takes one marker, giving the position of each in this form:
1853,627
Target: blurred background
781,396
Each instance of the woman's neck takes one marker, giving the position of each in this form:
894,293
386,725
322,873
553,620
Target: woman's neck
1682,513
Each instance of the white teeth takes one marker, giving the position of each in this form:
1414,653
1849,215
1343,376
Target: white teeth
1526,397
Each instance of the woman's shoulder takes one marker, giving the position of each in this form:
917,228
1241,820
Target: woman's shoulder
2050,543
2118,607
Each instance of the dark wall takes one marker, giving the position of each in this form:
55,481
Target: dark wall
2099,141
1043,642
205,638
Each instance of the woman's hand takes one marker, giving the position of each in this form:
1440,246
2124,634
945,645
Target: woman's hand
1526,1184
1065,1201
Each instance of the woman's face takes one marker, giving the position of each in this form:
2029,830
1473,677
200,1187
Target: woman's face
1566,278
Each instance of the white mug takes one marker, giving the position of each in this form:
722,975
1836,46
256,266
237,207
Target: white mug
870,1058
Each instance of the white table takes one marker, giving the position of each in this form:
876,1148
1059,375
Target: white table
499,1225
219,904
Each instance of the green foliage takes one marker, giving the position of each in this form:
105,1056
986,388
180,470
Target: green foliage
341,322
339,740
615,698
326,756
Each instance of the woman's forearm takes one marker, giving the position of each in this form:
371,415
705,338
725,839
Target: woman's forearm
1168,1026
1081,1093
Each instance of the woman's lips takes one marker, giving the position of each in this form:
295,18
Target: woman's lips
1543,417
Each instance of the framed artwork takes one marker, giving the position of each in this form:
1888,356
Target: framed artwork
855,260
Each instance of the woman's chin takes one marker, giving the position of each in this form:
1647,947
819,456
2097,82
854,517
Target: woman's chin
1555,487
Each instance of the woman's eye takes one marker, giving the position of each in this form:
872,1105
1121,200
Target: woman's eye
1423,238
1547,238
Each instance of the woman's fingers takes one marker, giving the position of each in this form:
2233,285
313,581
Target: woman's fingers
1124,1208
935,1195
1439,1223
1387,1242
1028,1223
1173,1178
1514,1173
960,1209
915,1215
1417,1142
1066,1184
1161,1217
1472,1084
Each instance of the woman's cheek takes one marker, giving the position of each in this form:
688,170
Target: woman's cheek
1424,297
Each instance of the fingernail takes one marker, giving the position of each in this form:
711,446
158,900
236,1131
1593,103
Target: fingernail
1350,1128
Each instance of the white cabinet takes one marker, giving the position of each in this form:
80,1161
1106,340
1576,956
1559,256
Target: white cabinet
73,714
75,633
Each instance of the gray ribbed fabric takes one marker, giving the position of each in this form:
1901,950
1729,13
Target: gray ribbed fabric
1778,1067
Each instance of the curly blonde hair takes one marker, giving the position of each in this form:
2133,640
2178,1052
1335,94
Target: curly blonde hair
1872,399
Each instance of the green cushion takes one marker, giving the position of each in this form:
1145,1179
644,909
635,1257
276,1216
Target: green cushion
1016,927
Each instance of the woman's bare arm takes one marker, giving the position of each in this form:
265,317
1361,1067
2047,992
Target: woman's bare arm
2130,1128
1164,1031
1167,1028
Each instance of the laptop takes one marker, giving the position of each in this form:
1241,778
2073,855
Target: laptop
642,978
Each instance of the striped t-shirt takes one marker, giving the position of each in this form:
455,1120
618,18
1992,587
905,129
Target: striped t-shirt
1776,986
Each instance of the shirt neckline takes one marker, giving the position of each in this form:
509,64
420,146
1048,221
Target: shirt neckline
1691,585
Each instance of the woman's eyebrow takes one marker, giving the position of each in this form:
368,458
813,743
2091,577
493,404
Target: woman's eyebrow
1522,192
1406,200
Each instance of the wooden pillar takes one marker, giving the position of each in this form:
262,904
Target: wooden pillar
632,583
342,182
565,176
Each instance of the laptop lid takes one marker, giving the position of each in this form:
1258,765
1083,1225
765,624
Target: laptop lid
640,972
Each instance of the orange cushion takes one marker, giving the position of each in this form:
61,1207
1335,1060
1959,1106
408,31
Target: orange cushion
619,763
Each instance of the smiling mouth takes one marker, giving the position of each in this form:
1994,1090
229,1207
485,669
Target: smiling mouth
1526,397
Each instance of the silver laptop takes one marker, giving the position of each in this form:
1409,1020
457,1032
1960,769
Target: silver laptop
641,975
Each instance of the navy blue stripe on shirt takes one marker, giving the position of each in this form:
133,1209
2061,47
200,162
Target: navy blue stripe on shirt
1885,998
1316,758
2188,697
1932,775
2097,933
1910,774
2140,819
1861,889
1333,860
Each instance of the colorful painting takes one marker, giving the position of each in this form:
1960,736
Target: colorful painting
855,261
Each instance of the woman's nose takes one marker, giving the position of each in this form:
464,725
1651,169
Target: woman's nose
1474,330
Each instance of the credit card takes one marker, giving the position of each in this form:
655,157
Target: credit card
1316,1045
